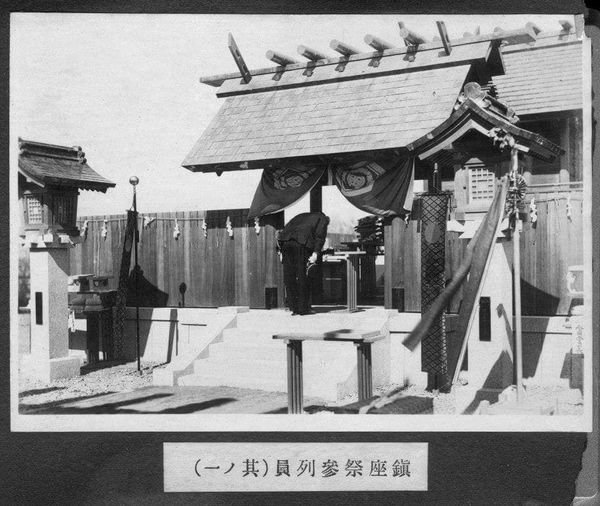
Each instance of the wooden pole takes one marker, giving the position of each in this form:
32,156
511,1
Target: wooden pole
280,58
311,54
444,36
239,60
517,287
410,38
377,43
343,48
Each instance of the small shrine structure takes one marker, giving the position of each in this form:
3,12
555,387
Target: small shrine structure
50,178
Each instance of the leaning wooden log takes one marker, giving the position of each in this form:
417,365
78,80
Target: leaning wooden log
410,38
239,61
377,43
311,54
343,48
279,58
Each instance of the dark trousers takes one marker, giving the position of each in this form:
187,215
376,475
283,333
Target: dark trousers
295,257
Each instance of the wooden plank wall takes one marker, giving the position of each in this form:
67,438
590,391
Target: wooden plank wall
548,247
217,270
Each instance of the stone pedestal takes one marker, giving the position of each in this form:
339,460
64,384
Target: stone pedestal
49,315
491,362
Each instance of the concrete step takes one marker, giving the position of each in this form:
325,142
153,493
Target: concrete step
276,350
243,335
260,377
248,351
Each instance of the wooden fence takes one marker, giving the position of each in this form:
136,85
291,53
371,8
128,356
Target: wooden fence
548,247
219,270
202,267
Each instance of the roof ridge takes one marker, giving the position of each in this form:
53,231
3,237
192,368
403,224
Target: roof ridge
51,150
509,37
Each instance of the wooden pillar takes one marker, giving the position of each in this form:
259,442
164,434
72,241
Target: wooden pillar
565,160
364,371
294,371
352,282
316,198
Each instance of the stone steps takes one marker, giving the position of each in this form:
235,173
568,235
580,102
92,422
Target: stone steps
249,357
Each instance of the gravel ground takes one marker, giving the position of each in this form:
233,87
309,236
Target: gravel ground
103,378
107,377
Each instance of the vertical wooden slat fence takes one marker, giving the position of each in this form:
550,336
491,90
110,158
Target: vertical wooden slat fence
216,270
548,248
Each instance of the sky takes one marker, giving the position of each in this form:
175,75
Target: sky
125,87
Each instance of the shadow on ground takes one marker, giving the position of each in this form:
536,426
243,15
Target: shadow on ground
39,391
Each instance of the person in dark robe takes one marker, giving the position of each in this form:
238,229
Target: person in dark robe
300,241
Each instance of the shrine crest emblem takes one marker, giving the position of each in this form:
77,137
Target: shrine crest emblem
285,178
359,178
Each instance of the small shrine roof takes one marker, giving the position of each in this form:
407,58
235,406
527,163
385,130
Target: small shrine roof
59,165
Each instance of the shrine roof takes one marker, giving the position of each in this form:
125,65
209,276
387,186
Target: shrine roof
544,76
59,165
385,100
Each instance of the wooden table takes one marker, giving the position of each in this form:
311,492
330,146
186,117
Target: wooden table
361,339
351,258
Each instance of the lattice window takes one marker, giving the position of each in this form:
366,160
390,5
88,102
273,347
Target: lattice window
34,210
481,183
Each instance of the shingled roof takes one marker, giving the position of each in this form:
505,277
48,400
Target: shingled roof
59,165
384,100
545,76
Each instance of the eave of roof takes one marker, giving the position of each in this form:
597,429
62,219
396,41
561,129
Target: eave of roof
470,115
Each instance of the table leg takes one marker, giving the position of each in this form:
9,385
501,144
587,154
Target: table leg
351,282
294,370
365,371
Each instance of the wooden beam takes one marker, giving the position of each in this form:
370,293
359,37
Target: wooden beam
377,43
280,58
311,54
343,48
518,36
239,60
444,36
567,26
410,38
534,27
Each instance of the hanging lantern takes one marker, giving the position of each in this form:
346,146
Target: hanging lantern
204,228
104,231
176,231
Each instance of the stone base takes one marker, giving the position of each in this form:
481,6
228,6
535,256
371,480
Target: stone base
53,369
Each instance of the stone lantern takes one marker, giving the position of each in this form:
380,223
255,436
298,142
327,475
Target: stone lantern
50,178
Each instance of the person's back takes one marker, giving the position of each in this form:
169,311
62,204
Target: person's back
300,241
308,229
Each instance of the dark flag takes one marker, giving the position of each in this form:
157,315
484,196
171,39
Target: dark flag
281,187
383,189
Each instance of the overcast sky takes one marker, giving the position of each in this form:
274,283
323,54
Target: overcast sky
125,88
